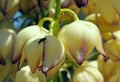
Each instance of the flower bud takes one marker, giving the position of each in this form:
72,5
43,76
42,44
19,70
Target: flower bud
87,74
81,3
25,75
93,63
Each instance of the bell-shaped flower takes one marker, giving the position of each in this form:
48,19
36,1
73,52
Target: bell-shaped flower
6,42
80,38
114,68
112,46
40,48
22,37
102,24
101,6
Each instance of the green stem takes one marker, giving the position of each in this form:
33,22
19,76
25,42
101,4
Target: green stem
57,17
58,12
43,20
70,12
47,19
58,7
60,76
51,28
92,56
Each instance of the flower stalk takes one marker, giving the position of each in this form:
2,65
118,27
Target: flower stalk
56,18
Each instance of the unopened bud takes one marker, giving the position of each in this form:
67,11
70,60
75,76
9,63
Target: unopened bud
25,75
81,3
87,73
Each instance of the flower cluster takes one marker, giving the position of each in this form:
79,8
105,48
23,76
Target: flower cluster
69,41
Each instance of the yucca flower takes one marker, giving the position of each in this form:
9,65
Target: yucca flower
103,66
112,46
80,38
102,24
87,73
6,42
25,75
40,48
